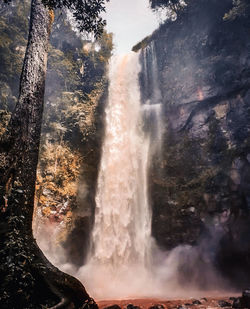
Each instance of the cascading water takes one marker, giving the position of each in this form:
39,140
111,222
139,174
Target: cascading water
121,238
121,235
151,97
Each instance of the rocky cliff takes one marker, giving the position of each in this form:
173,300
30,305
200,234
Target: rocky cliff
199,185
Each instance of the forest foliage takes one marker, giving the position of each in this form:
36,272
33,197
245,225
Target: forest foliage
177,7
76,79
87,14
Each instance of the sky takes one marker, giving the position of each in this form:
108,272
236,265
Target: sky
130,21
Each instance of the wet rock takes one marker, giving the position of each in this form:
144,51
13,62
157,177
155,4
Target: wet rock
196,302
223,303
131,306
237,303
191,209
246,298
244,301
158,306
77,240
113,307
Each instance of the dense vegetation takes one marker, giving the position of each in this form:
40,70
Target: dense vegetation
72,131
76,81
24,268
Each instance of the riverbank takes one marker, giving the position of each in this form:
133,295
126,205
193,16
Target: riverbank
202,303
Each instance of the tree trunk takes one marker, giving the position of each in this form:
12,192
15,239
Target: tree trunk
28,280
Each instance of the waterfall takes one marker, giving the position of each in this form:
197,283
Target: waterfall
123,261
151,97
120,259
121,235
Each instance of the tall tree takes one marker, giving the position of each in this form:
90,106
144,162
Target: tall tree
28,279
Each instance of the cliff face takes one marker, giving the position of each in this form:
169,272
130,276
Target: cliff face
201,181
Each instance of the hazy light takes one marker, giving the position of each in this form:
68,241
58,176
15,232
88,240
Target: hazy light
130,21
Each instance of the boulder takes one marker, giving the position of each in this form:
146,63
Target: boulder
223,303
157,306
131,306
113,307
196,302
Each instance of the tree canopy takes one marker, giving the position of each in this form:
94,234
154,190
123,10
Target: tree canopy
240,8
174,5
86,13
